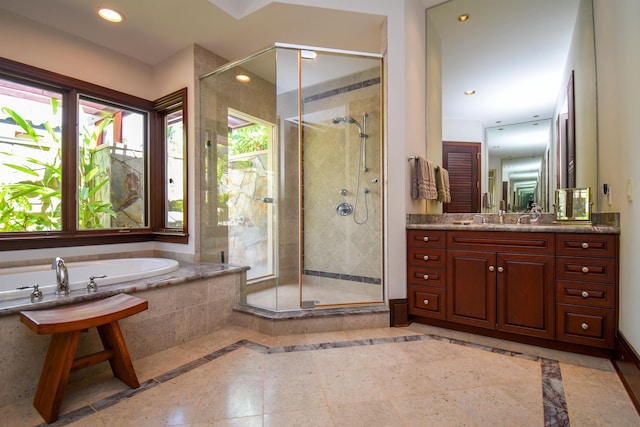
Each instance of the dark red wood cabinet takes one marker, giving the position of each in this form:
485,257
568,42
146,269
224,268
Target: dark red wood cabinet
559,287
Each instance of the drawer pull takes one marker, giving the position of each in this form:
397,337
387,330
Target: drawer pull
500,269
425,302
425,277
425,238
426,257
584,326
585,294
585,245
491,268
585,270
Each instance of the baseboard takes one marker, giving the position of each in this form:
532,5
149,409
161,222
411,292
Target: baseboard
627,364
399,312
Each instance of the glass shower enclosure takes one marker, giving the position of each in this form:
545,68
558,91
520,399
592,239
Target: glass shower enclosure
291,181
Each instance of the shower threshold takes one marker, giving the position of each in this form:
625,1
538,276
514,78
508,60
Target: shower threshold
317,320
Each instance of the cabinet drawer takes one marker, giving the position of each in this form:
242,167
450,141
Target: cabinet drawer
587,269
497,241
426,301
426,276
585,325
427,257
426,238
586,294
597,245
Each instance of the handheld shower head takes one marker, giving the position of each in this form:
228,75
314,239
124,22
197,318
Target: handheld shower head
347,119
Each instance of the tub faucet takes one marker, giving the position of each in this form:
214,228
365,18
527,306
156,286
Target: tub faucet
62,276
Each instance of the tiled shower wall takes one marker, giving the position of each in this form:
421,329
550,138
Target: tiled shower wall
334,245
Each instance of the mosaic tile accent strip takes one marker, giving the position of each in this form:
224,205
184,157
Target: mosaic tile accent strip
340,276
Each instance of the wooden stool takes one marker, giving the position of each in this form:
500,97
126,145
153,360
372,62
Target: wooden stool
65,325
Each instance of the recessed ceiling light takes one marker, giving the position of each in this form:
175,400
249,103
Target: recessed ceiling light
536,124
464,17
536,116
110,15
469,92
243,78
498,121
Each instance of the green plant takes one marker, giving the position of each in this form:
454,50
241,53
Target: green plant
44,166
248,139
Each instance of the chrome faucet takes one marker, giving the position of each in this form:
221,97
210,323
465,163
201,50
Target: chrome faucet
501,216
62,276
483,219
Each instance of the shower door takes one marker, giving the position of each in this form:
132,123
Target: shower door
341,146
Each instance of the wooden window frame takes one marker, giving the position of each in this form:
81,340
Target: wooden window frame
69,235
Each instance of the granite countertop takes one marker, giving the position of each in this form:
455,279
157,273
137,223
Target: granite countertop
545,223
187,272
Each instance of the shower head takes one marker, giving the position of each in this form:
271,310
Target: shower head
344,119
347,119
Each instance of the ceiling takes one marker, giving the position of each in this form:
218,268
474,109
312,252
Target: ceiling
153,30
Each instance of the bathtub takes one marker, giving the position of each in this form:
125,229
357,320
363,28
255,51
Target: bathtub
115,270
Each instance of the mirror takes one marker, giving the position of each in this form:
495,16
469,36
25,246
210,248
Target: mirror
531,65
573,204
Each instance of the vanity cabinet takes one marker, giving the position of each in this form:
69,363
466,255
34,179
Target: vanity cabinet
426,272
502,281
586,294
553,286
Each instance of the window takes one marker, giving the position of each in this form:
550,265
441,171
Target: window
81,164
171,119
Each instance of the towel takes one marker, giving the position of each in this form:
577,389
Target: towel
487,200
423,180
442,185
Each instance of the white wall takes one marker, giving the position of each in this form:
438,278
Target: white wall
618,67
32,43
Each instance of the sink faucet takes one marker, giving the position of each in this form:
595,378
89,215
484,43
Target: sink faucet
483,219
62,276
501,216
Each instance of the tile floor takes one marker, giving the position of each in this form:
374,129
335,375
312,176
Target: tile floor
414,376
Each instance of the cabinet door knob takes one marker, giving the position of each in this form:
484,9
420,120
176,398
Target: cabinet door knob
426,257
585,269
491,268
584,326
425,277
585,294
425,238
500,269
426,302
585,245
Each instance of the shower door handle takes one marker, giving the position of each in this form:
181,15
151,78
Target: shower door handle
266,199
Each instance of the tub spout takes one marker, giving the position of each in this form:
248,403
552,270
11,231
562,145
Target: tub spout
62,276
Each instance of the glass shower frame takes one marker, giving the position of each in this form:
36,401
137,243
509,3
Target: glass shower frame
322,256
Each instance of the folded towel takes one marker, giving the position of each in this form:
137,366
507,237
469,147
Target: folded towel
442,185
423,180
487,200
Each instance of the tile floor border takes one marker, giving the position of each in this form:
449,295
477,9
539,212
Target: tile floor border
554,402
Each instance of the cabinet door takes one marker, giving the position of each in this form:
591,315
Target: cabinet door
526,294
471,288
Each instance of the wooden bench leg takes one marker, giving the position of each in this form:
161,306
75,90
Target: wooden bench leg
55,374
121,365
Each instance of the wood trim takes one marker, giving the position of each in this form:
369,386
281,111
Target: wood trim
627,364
399,312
